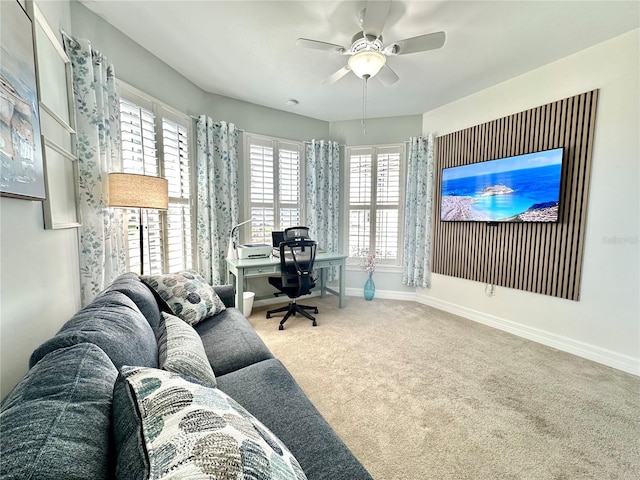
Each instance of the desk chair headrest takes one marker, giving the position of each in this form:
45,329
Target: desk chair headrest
296,232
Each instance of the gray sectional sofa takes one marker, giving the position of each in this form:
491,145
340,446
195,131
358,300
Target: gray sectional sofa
64,421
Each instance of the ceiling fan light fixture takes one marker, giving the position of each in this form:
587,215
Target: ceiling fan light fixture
367,63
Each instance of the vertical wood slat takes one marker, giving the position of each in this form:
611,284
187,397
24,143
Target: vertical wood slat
540,258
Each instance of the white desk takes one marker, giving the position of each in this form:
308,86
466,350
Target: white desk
262,267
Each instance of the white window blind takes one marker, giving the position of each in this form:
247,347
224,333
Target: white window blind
289,180
155,141
275,185
375,183
139,156
175,146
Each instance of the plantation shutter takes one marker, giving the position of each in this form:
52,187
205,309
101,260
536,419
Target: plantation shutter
155,141
289,179
375,183
178,244
139,155
360,203
262,190
275,186
387,203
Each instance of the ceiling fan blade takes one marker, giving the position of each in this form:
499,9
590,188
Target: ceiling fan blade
421,43
318,45
337,76
375,16
387,76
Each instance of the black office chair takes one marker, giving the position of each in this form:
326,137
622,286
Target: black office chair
296,279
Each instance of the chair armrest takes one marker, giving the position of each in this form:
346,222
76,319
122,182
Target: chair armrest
227,294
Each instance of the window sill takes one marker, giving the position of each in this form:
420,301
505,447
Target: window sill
379,269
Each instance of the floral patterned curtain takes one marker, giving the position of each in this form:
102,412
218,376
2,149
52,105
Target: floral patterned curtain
322,165
102,242
217,204
418,213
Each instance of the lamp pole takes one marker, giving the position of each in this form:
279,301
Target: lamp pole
141,242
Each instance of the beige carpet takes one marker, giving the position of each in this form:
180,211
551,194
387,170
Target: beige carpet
417,393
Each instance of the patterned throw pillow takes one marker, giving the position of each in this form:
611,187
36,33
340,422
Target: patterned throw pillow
193,431
188,295
180,350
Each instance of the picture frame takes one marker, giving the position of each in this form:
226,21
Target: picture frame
21,156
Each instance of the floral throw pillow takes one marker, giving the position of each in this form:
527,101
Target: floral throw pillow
193,431
188,295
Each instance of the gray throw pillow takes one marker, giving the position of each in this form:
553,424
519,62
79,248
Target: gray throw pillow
180,350
189,430
188,295
56,423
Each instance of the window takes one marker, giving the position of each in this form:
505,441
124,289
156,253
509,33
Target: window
275,173
155,141
375,182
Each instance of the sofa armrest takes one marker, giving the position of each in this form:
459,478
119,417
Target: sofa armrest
227,294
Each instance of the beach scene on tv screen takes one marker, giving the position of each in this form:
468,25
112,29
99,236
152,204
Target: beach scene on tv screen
523,188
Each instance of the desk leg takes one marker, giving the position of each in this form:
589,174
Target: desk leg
240,290
342,281
323,282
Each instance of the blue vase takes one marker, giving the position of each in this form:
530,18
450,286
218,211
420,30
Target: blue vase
369,289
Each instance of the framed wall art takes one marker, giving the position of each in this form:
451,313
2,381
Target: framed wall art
21,158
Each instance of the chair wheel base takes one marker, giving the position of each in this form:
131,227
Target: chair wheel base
292,310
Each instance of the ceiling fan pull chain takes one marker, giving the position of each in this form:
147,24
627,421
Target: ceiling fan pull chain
364,104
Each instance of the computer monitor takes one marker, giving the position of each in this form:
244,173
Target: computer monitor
277,238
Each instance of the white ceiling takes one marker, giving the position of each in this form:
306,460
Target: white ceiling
247,49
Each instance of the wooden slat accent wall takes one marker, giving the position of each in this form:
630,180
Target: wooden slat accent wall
542,258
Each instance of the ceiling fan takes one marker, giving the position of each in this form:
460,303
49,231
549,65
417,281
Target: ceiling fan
368,54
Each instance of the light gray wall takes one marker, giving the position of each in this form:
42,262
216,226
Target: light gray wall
379,131
39,283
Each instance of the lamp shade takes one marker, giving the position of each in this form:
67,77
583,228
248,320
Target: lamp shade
138,191
367,62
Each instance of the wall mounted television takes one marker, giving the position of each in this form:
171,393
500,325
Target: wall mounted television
522,188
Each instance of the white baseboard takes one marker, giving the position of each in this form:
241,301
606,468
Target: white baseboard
600,355
388,294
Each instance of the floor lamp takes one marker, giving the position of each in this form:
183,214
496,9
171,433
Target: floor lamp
129,190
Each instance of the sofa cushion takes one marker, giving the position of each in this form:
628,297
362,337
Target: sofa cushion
188,295
185,429
180,350
130,284
269,392
227,294
56,422
113,323
231,342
